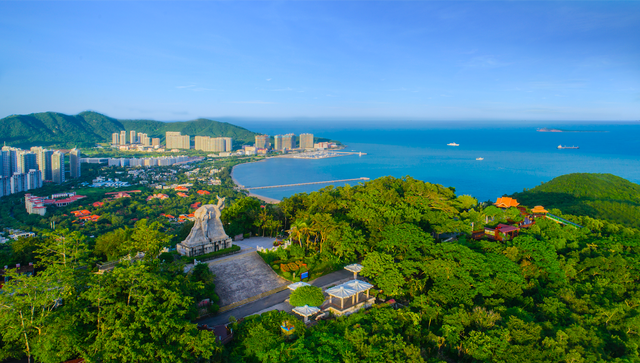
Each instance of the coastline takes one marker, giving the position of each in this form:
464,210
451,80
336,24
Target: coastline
261,197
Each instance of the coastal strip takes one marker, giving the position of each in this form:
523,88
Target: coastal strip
261,197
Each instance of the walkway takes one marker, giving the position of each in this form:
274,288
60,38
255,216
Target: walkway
274,299
299,184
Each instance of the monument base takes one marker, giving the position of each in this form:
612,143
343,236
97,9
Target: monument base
202,248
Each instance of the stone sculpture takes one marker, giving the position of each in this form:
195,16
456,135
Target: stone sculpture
207,234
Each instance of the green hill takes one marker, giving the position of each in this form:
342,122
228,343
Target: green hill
88,128
603,196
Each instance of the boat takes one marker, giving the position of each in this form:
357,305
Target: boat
453,144
568,147
479,158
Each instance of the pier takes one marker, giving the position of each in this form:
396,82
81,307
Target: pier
312,183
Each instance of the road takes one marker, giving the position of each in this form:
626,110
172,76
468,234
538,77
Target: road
277,298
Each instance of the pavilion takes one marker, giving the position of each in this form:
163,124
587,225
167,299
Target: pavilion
539,210
341,292
359,286
296,285
506,202
306,311
355,268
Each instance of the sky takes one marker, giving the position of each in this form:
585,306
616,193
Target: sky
416,60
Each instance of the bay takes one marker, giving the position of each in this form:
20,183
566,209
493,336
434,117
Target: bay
516,156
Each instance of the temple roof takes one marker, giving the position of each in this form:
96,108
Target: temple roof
506,202
538,209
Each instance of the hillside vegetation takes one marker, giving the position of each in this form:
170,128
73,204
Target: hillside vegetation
603,196
88,128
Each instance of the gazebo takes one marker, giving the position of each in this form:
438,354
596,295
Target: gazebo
358,286
539,210
296,285
341,292
355,268
306,311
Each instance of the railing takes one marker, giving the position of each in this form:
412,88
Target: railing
562,220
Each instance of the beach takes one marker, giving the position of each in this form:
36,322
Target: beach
261,197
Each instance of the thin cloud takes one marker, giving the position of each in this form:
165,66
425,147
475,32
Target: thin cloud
283,89
193,85
268,79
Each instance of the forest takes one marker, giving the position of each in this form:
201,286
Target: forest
552,294
603,196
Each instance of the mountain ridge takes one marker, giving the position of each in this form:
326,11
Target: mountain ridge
89,127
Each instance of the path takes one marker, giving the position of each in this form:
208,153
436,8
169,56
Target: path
274,299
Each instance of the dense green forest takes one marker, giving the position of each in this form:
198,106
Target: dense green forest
552,294
88,128
603,196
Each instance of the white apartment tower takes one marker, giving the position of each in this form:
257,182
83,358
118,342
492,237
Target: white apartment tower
306,141
175,140
115,138
123,137
74,163
57,167
132,137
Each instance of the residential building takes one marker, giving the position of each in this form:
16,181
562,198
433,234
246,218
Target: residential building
17,183
306,141
26,161
74,163
132,137
10,160
57,167
216,144
115,138
155,142
5,186
123,137
284,142
33,179
34,205
262,141
175,140
43,159
145,140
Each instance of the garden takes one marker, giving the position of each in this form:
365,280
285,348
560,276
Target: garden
291,263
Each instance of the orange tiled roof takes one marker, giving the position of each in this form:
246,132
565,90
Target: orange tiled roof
203,192
538,209
181,194
506,202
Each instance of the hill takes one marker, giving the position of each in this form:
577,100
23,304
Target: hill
603,196
88,128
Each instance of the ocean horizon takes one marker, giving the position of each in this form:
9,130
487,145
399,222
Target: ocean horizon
516,156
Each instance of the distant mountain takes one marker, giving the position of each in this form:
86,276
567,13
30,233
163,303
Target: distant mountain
88,128
603,196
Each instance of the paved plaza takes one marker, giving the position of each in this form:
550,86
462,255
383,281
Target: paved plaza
242,276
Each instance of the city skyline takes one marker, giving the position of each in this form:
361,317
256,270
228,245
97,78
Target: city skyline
417,60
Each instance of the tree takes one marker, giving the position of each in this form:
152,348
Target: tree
306,295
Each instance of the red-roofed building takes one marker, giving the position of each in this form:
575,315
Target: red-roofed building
98,204
203,192
119,195
506,202
183,195
196,205
157,196
181,188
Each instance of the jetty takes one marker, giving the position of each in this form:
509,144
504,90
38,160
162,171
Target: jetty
312,183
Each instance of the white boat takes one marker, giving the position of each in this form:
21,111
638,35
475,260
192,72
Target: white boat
568,147
453,144
479,158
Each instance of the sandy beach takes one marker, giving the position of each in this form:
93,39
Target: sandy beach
261,197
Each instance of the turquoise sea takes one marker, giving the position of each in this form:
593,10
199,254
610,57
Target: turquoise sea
516,156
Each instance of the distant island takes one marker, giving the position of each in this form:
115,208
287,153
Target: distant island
544,129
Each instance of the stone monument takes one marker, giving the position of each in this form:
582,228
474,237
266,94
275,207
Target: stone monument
207,234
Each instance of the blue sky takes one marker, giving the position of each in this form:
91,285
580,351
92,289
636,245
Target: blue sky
333,59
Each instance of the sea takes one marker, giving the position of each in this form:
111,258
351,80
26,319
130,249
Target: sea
516,156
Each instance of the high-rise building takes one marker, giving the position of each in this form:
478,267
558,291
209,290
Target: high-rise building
175,140
262,141
132,137
287,141
155,141
123,137
57,167
5,186
115,138
144,139
74,163
277,140
216,144
10,160
306,141
43,159
26,161
17,183
33,179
